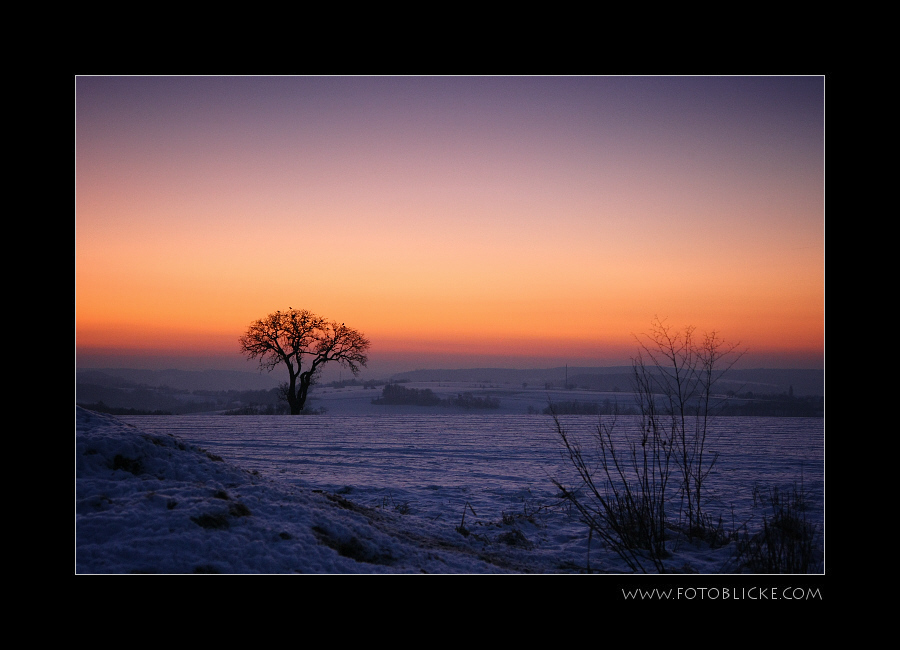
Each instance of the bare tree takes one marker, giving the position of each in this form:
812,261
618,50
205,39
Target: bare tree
303,342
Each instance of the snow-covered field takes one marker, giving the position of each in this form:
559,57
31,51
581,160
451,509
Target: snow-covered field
385,491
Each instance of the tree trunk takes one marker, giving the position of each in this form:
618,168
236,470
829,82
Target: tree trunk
302,391
291,395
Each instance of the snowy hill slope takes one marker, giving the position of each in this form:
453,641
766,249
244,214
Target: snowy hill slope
152,504
147,501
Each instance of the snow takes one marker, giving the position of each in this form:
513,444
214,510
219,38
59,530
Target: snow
152,504
147,501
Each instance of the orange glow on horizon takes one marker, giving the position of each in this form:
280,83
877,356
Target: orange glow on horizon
546,217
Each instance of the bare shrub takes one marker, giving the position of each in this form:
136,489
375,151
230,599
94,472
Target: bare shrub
622,491
674,376
788,541
632,480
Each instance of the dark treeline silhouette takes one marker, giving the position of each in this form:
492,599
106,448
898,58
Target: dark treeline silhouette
395,394
785,405
607,407
400,395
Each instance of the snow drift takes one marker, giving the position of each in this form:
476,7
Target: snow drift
148,503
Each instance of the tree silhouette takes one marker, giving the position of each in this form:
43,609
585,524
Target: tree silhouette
303,342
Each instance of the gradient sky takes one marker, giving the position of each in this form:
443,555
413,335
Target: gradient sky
456,221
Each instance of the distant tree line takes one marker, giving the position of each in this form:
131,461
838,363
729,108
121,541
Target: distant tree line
785,405
395,394
575,407
400,395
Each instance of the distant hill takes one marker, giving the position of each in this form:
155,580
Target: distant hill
618,378
775,381
612,378
508,375
189,380
121,390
